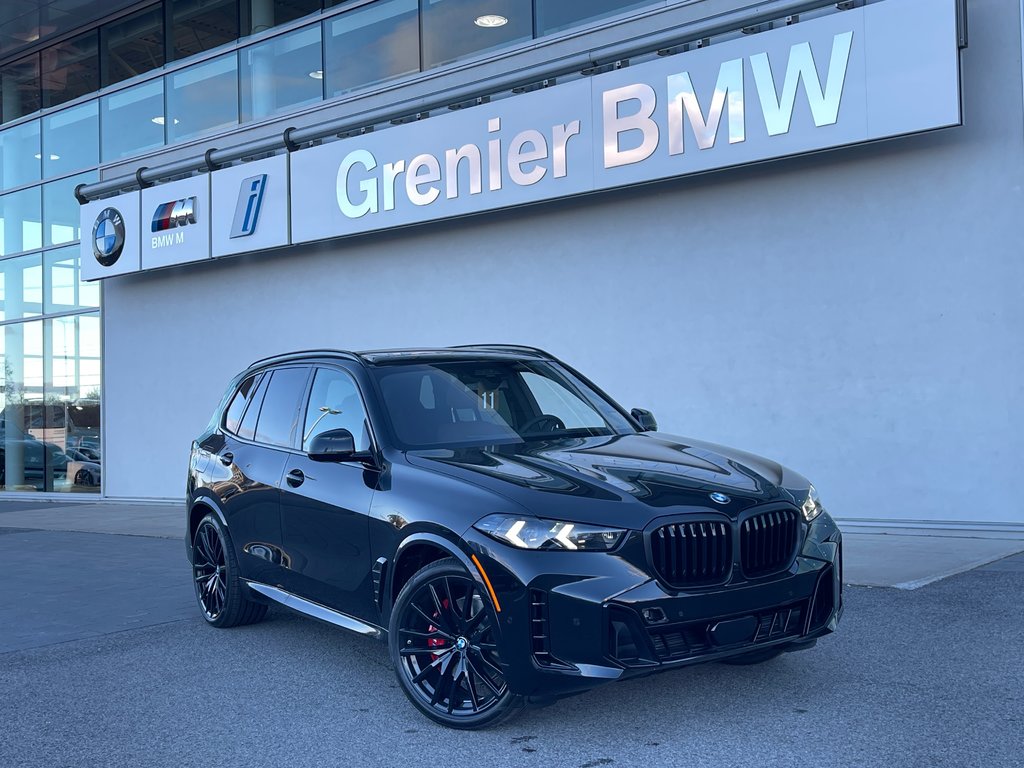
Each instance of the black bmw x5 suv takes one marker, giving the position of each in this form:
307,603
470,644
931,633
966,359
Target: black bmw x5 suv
511,532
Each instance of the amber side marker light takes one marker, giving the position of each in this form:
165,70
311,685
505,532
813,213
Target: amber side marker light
487,581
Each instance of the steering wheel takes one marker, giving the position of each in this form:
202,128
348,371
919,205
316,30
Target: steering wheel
554,423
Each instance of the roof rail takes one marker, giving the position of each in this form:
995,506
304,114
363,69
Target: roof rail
307,353
510,347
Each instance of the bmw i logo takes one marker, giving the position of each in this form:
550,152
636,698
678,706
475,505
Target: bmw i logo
108,236
719,498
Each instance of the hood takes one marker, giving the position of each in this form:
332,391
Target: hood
620,480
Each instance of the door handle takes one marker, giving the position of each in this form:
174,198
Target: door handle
227,458
295,478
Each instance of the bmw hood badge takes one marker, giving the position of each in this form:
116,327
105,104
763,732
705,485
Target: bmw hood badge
719,498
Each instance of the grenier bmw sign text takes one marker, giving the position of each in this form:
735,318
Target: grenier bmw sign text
883,70
628,131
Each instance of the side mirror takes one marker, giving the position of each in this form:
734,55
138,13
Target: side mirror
333,445
645,418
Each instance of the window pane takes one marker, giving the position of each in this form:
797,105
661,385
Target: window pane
280,410
70,69
132,120
233,417
65,291
19,88
61,208
335,403
555,15
247,429
72,388
19,155
202,98
281,74
370,44
265,14
453,29
200,25
28,463
21,287
71,139
21,227
133,45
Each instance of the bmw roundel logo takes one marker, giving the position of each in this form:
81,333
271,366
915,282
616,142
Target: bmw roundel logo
108,236
719,498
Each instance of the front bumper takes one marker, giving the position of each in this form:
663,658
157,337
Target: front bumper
571,621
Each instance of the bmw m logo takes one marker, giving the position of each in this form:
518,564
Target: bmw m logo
108,236
719,498
178,213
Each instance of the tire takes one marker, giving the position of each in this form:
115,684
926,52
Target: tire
215,575
759,656
450,670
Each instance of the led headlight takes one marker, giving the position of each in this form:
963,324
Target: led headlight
531,533
812,506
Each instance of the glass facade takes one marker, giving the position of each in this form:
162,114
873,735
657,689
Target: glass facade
371,44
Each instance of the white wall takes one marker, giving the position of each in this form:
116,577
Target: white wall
856,315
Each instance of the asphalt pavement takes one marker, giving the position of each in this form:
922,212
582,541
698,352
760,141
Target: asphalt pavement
104,661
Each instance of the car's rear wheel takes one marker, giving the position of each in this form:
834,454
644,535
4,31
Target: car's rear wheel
219,590
442,640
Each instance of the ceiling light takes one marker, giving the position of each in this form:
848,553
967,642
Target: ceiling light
490,20
38,156
159,120
317,74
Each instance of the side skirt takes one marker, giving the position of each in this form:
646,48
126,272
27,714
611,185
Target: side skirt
317,611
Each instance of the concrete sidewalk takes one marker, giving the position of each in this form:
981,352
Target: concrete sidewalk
903,558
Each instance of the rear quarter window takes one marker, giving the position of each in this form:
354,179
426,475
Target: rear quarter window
236,408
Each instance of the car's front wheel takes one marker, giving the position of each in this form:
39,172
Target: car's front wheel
442,641
219,589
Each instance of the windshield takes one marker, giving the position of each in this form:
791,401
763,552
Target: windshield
488,402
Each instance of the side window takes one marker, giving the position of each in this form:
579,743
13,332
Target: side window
335,403
247,429
233,417
280,410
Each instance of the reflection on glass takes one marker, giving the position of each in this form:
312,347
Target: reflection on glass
556,15
282,73
133,120
70,69
21,220
19,155
201,25
72,399
453,29
19,88
202,98
133,45
371,44
71,139
61,209
65,292
265,14
21,287
50,405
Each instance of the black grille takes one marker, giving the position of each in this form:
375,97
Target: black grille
691,553
768,541
691,640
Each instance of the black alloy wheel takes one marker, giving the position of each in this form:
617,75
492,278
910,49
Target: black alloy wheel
215,577
444,647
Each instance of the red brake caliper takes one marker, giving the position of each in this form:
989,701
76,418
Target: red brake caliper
436,642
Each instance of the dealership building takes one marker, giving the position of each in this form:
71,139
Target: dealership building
789,227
